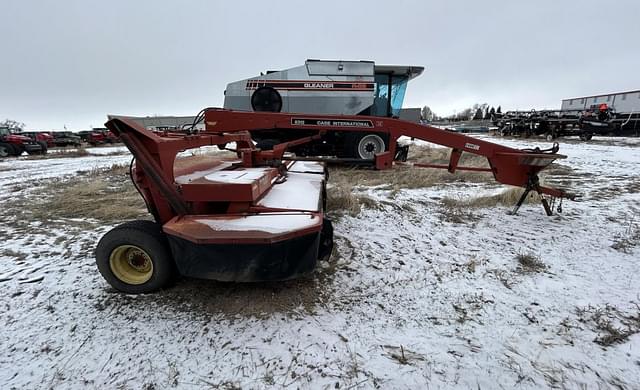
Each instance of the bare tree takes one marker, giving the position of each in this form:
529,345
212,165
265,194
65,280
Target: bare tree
426,113
13,126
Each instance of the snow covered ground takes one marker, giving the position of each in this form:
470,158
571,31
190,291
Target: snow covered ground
409,300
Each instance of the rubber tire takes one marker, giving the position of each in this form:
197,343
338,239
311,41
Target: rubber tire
146,235
17,150
354,138
7,149
44,147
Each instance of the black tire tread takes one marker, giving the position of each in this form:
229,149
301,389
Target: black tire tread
144,233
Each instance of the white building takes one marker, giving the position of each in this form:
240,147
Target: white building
622,102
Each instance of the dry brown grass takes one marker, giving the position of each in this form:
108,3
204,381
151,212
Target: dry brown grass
529,263
59,153
75,152
106,195
345,200
627,240
343,195
614,326
508,197
430,155
457,214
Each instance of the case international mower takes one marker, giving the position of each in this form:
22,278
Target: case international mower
261,216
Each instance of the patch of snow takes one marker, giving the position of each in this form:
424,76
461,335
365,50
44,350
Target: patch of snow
275,223
410,300
300,191
238,176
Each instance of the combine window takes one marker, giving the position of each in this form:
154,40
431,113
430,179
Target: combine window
383,104
398,88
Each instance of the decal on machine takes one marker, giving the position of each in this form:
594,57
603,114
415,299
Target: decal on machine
325,122
312,85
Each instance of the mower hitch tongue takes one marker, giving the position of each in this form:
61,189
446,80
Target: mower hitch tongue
260,216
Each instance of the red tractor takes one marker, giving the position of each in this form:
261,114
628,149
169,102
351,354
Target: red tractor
46,140
101,137
16,144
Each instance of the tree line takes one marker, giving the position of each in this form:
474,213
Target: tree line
476,112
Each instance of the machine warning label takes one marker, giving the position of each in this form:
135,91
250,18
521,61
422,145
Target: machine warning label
472,146
324,122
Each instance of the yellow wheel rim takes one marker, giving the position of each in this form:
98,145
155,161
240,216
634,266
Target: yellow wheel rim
131,264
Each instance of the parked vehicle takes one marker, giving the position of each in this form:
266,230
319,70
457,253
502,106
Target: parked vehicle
41,137
84,135
15,144
66,138
101,137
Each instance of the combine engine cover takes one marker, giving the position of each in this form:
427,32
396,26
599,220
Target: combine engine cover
325,87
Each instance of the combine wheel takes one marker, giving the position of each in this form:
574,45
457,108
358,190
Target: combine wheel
368,145
135,258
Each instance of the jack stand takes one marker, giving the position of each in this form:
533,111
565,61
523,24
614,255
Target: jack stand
533,184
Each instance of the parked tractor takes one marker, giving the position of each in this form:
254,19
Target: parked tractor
45,139
101,137
16,144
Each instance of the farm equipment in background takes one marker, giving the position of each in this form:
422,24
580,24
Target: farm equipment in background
16,144
66,138
43,138
261,216
101,137
596,120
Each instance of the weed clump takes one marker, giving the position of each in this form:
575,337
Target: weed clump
529,263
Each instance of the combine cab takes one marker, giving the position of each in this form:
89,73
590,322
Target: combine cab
326,87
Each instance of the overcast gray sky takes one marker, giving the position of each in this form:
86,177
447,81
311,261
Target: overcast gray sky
72,62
